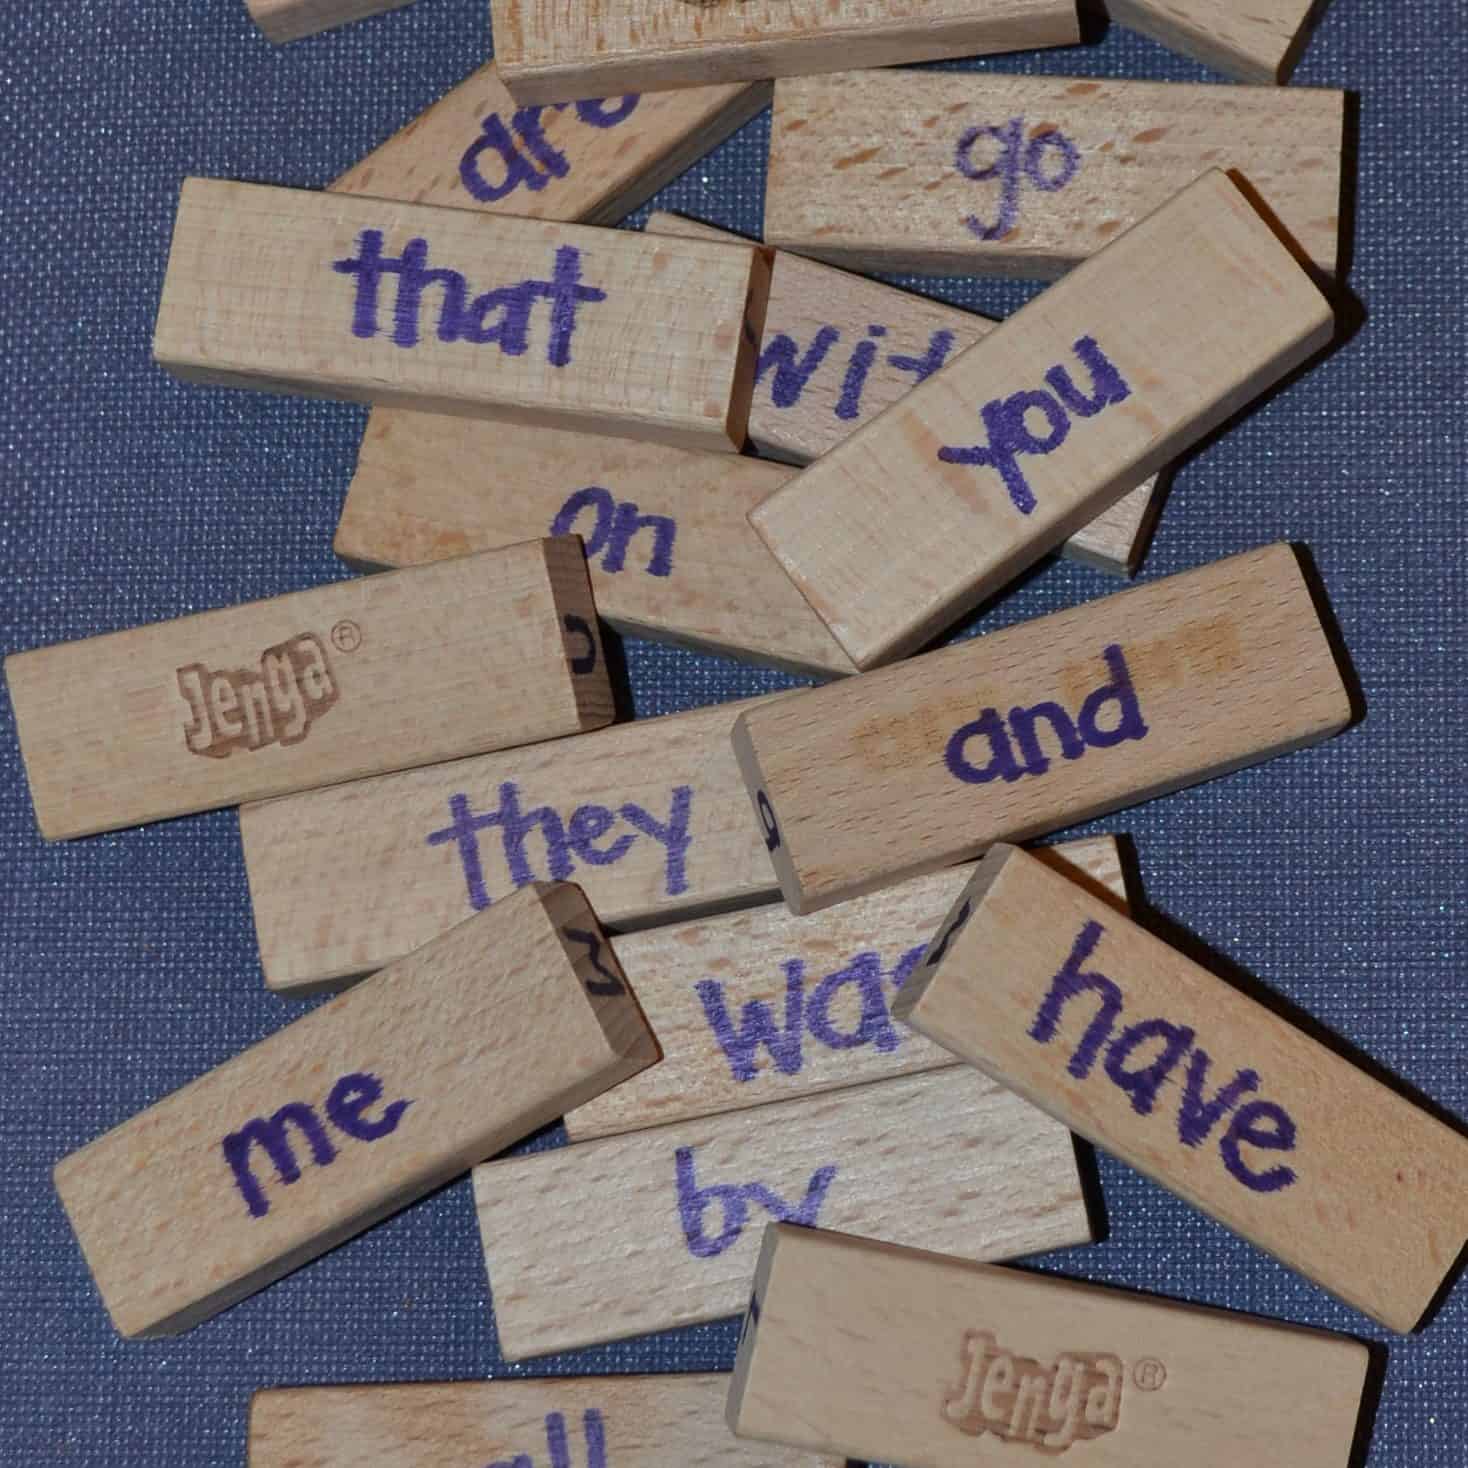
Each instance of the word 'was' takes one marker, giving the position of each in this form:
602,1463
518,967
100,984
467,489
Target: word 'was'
556,1446
501,316
615,525
527,125
1013,743
246,709
1021,159
566,840
1025,1401
1007,420
1260,1124
349,1099
733,1200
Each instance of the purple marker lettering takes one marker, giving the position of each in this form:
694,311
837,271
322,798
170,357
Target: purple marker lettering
757,1026
514,827
1143,1085
1197,1116
922,368
673,835
351,1096
1015,162
588,824
1022,722
1107,384
272,1135
1071,982
1279,1136
616,525
592,1428
693,1201
848,406
1001,763
807,1212
793,372
874,1025
525,124
595,112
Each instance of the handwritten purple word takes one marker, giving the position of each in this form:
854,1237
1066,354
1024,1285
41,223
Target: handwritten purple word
808,1013
502,316
1016,162
349,1099
526,125
1006,420
734,1200
566,840
1260,1124
616,524
555,1442
793,369
1013,744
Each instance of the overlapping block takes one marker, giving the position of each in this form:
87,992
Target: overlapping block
1199,1086
292,20
1258,42
312,688
1042,725
354,1111
454,311
999,456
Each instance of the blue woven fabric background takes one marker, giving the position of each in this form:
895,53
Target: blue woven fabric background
128,962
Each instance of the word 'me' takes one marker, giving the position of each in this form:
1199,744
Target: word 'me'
526,125
615,526
556,1446
501,316
733,1200
1013,743
1007,420
1025,1401
245,709
1019,161
1260,1124
345,1107
567,840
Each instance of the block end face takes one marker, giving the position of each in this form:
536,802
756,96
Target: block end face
774,838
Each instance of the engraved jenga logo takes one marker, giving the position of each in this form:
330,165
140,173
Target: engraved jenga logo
246,709
1050,1407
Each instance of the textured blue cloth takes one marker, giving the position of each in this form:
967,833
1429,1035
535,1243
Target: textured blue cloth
128,961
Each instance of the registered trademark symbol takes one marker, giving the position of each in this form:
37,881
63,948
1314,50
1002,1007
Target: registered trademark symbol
346,637
1149,1374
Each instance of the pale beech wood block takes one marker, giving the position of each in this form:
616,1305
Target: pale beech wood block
671,551
593,161
312,688
1258,42
905,1356
1108,375
762,1006
660,1228
1203,1089
651,819
964,173
553,53
291,20
351,1113
455,311
624,1421
1045,724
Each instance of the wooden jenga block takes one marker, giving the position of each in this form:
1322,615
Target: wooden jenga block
809,396
1132,357
1200,1087
349,1114
549,53
962,173
651,817
626,1421
1042,725
355,678
1258,42
761,1006
556,325
292,20
899,1355
593,161
659,1228
671,551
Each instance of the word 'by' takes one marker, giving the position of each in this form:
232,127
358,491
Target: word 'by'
733,1201
528,126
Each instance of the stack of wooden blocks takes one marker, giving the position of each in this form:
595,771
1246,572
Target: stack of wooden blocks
840,1003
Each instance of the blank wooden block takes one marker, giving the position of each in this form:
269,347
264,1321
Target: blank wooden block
1099,382
963,173
627,1421
291,20
660,1228
278,1155
761,1006
553,53
593,161
904,1356
1257,42
809,395
671,551
651,817
1040,726
380,673
1196,1085
557,325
